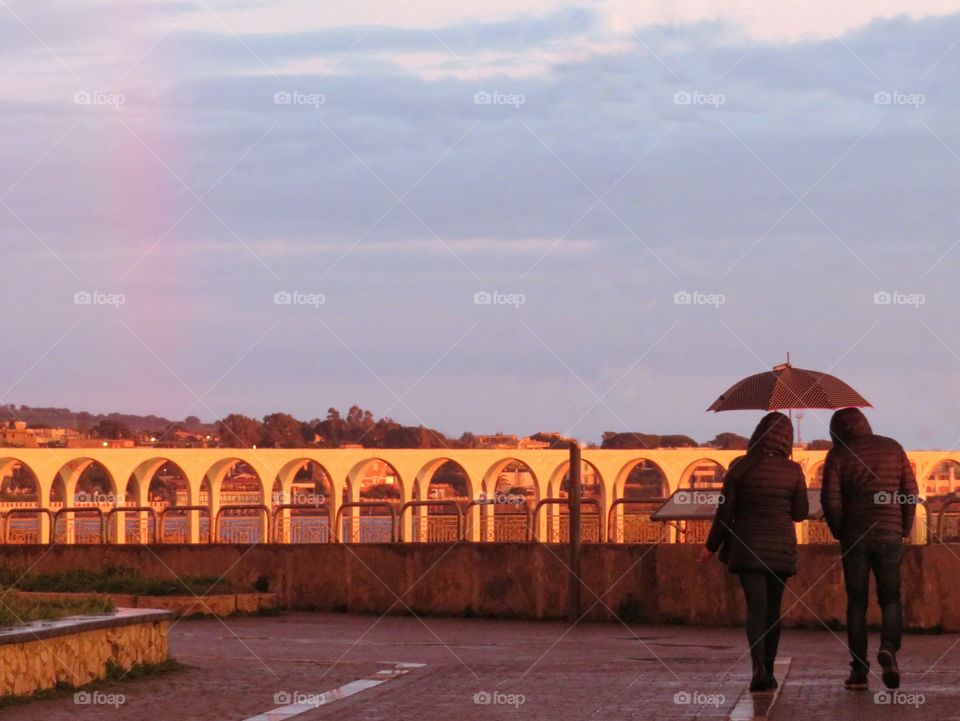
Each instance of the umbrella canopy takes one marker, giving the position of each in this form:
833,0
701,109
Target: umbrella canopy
788,387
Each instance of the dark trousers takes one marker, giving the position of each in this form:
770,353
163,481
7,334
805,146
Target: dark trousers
763,593
882,556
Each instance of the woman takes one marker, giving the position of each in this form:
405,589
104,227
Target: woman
764,493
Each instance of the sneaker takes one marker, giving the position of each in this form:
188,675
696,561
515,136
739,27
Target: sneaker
856,681
891,672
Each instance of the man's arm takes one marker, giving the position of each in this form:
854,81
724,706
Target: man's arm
831,500
910,494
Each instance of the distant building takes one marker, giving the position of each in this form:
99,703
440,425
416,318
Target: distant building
100,443
17,434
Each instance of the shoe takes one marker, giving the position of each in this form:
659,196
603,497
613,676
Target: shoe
856,681
891,672
773,679
762,683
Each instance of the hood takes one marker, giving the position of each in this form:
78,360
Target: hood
773,436
848,424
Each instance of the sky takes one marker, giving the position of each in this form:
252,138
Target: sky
486,216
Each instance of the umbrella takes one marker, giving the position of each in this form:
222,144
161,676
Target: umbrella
787,387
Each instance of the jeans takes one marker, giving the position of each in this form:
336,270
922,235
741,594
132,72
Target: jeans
882,556
763,593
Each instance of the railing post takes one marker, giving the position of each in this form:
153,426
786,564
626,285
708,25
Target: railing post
575,546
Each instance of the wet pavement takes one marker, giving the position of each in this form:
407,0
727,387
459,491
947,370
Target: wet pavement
366,668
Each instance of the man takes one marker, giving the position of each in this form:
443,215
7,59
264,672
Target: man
869,498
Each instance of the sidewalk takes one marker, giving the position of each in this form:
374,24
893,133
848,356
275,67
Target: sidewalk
483,669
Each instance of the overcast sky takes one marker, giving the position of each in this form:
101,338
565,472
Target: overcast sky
174,172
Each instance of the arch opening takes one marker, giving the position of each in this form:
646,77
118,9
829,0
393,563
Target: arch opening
20,492
643,490
308,485
446,482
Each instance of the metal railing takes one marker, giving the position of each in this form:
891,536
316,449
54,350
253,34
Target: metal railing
162,530
357,534
131,509
438,527
72,524
948,524
285,531
627,527
505,526
7,526
560,533
246,533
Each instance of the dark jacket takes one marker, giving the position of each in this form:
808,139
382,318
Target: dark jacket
764,493
868,483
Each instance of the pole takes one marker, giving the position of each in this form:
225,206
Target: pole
574,504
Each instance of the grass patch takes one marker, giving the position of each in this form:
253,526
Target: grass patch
17,609
115,674
123,580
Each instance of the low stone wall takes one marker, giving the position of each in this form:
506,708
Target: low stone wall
636,583
77,651
219,604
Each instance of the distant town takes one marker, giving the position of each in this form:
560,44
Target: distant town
33,427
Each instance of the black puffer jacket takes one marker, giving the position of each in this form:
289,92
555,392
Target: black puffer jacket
868,484
764,493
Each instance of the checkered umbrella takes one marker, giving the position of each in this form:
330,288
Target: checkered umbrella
788,387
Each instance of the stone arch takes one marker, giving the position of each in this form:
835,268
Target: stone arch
21,492
693,478
943,477
511,491
815,475
302,482
373,479
494,474
448,482
100,487
237,480
428,472
359,479
19,483
646,475
592,521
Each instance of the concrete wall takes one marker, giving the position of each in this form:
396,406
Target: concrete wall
643,584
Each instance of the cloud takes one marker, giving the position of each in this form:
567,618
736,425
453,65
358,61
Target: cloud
677,158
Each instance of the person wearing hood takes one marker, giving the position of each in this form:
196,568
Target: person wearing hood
764,494
869,498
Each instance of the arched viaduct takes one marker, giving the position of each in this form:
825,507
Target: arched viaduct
131,470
